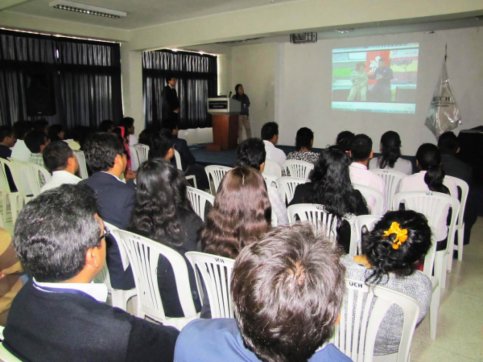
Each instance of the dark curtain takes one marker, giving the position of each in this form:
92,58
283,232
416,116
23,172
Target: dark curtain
77,82
197,80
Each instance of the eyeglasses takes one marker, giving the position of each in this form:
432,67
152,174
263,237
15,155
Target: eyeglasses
106,233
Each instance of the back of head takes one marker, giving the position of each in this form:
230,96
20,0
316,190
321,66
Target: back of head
35,140
240,215
55,156
54,131
159,147
107,126
5,131
344,140
361,147
390,149
101,150
428,159
287,290
304,138
126,122
448,143
21,128
251,153
399,240
269,130
54,230
41,125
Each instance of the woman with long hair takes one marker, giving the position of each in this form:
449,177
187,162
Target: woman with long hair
330,186
392,253
303,146
240,215
390,157
162,212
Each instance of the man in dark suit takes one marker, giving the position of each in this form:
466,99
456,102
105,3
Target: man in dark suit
170,100
60,315
115,199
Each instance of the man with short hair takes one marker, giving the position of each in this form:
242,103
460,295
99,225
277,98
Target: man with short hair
270,139
287,291
361,153
115,198
170,100
61,315
61,162
7,141
36,142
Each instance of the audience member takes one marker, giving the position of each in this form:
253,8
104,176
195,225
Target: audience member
36,141
107,126
161,147
251,153
287,290
303,146
361,152
56,133
60,315
270,139
391,254
7,141
60,161
330,186
79,135
41,125
241,213
128,124
391,155
115,199
20,150
162,212
344,141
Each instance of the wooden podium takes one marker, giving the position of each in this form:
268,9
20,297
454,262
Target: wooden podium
224,112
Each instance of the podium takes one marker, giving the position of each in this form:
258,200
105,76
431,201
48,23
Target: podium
224,112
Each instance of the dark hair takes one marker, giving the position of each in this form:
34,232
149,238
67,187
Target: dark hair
126,122
238,86
107,126
146,136
361,147
344,140
390,149
40,125
269,130
304,138
159,147
331,184
429,160
240,215
34,140
5,131
251,153
448,143
379,248
54,230
169,77
21,128
101,150
160,197
55,155
287,291
53,132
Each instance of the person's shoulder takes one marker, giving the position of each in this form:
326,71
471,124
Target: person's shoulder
329,353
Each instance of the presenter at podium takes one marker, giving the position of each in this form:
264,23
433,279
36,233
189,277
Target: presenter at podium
243,120
170,101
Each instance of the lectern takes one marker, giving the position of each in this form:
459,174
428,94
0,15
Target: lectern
224,112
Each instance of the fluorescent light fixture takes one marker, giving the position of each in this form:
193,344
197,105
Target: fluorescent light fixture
86,9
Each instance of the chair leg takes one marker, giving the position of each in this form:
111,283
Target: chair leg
461,236
434,312
440,267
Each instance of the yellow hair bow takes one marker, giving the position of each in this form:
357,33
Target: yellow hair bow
401,234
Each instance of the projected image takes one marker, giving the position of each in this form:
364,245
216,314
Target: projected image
375,79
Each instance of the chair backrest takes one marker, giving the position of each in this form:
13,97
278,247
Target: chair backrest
4,165
320,219
462,196
142,152
215,273
272,168
143,256
360,221
287,186
391,178
374,199
215,174
199,199
81,160
29,177
177,159
10,205
134,158
297,168
272,188
363,311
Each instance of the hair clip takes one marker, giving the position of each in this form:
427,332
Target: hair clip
401,234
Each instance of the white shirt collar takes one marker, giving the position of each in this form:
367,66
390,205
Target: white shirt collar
117,178
98,291
358,165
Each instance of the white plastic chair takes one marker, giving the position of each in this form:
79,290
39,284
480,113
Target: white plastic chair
272,168
142,151
297,168
391,178
272,188
360,221
134,158
287,186
19,171
10,203
179,166
199,199
215,174
321,220
374,199
462,197
143,256
29,177
81,160
215,273
434,206
361,315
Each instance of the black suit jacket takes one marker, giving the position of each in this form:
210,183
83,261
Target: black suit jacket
187,158
170,103
115,203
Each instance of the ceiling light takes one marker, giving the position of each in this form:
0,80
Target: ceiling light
86,9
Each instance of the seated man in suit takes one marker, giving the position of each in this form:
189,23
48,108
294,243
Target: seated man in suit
287,290
115,199
60,315
61,163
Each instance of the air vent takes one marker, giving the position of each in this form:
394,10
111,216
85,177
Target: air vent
86,9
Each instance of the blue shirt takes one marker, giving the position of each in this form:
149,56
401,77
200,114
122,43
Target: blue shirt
219,340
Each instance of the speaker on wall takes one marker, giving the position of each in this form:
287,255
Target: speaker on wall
40,92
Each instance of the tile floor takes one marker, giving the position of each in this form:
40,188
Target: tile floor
460,324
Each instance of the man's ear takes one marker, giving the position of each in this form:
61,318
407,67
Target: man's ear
371,154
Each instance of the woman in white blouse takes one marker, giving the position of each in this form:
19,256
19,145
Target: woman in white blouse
391,155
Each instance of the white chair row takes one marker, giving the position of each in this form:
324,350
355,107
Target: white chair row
139,154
